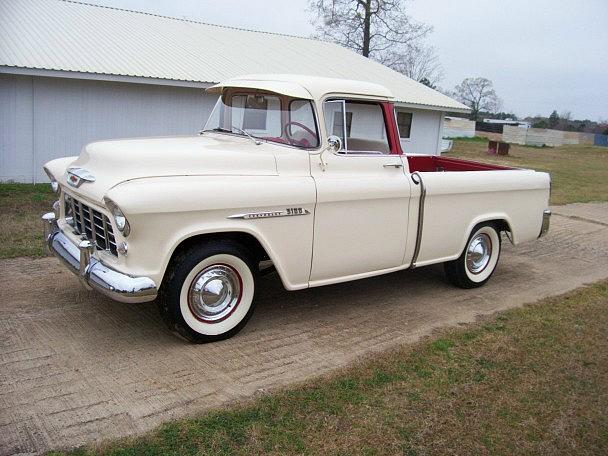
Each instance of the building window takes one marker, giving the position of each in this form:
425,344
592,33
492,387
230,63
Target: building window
404,122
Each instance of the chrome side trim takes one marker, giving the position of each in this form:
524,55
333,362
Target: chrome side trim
289,212
417,179
546,223
92,272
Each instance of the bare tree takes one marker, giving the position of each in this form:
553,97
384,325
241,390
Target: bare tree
380,30
420,63
564,121
478,94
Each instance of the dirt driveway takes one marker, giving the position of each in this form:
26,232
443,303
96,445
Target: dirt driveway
77,368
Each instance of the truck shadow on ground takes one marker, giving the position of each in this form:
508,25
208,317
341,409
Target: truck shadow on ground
378,299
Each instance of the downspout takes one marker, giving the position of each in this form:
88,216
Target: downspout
440,135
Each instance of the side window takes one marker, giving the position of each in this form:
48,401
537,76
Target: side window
366,130
404,122
360,126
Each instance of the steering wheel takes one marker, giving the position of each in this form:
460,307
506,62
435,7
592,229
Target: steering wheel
302,126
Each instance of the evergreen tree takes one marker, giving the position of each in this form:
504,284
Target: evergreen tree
553,119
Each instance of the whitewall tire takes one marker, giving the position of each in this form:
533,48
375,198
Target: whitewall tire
208,292
478,260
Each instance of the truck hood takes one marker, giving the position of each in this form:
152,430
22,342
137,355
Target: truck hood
113,162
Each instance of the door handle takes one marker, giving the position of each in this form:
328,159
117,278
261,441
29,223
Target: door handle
393,165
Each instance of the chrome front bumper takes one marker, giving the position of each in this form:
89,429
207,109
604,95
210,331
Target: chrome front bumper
93,273
546,222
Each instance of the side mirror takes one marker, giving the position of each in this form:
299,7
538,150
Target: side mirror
334,142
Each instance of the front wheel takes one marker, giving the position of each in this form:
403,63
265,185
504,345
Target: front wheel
208,292
478,261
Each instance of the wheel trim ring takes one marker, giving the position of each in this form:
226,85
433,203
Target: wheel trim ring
233,308
485,240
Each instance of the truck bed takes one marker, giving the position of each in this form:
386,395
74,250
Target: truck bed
433,163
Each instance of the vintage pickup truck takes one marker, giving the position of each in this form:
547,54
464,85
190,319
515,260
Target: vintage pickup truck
299,173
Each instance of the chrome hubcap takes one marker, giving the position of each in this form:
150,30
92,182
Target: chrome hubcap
479,252
215,293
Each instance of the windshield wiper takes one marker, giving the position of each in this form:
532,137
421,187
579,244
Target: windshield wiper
238,130
256,141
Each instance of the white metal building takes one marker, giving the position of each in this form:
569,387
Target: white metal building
72,73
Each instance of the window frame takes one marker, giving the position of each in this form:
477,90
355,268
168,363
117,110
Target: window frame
314,119
344,151
345,139
226,117
411,113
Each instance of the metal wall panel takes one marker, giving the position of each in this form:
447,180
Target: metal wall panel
426,132
46,118
16,128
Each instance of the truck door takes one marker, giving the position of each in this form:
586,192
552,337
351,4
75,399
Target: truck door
362,196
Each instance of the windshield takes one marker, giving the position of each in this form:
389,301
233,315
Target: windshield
269,117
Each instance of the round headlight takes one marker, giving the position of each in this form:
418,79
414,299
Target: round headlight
119,218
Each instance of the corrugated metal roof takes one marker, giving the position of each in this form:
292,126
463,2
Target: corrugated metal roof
79,37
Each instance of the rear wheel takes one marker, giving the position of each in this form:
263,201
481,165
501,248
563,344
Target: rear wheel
208,293
478,261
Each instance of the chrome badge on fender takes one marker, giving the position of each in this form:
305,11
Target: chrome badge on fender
289,212
77,176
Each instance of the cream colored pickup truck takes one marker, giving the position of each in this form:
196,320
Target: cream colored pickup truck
301,174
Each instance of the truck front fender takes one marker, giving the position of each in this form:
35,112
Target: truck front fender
164,212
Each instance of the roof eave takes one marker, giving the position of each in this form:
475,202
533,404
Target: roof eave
432,107
44,72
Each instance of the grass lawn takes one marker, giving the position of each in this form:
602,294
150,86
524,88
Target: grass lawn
21,206
579,173
527,381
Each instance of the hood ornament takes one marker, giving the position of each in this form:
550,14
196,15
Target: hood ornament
77,176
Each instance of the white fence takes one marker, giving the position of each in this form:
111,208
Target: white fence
544,137
458,127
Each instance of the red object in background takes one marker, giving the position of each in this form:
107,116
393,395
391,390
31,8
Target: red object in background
492,147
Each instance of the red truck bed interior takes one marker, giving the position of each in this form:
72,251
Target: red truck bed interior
431,163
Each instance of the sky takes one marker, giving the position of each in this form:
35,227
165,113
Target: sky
541,54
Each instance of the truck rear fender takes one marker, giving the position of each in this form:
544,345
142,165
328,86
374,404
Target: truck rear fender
500,220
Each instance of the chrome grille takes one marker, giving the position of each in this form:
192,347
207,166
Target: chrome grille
92,224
